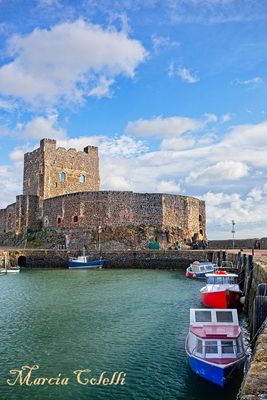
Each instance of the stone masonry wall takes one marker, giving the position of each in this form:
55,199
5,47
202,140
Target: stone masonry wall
93,209
167,214
2,220
10,218
239,243
185,213
42,169
33,175
254,386
27,212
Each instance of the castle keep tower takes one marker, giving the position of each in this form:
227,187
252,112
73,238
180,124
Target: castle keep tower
50,171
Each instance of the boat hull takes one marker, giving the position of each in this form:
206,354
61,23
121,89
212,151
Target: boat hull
194,275
213,373
94,264
221,299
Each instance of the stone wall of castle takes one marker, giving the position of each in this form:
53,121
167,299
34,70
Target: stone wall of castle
180,216
185,213
27,212
9,218
50,171
61,191
107,208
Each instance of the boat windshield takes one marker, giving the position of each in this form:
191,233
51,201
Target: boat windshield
203,316
221,280
219,348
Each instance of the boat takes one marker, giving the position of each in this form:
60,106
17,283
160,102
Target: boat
214,344
2,271
198,270
10,270
221,290
84,262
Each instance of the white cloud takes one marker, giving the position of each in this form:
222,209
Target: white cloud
42,127
160,126
187,76
227,117
10,182
7,105
214,11
177,143
210,118
248,136
222,171
121,146
102,89
45,69
247,82
183,73
163,42
37,128
247,210
168,186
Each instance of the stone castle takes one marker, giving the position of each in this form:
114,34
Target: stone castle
61,193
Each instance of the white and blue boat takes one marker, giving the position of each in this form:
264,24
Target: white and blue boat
84,262
198,270
214,344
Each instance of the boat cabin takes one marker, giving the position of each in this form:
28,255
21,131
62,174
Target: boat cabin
202,267
221,279
215,334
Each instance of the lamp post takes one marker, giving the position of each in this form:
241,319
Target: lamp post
233,232
99,237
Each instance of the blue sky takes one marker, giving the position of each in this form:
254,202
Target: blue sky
173,92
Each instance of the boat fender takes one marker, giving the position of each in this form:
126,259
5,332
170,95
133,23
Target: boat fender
187,274
194,275
221,273
242,300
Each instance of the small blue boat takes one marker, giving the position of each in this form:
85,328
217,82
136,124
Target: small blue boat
197,270
83,262
214,344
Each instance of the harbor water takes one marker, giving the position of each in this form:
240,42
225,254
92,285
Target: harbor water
129,321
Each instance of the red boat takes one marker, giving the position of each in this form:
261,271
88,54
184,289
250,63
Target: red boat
221,290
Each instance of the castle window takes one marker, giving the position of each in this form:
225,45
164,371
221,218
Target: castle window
62,176
82,178
201,232
59,221
75,218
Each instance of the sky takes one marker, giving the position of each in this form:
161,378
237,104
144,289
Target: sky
174,93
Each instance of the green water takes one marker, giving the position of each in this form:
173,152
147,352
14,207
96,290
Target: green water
132,321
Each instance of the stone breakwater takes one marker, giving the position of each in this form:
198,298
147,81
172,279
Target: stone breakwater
154,259
254,386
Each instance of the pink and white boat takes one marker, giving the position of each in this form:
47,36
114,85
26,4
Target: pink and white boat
214,344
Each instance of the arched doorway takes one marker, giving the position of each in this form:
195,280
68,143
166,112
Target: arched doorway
22,262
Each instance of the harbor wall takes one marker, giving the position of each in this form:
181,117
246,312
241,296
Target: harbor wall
154,259
254,386
253,243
